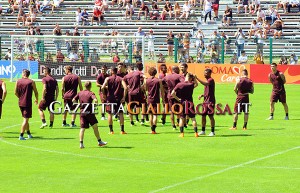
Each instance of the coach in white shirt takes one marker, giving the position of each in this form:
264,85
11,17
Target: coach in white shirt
243,59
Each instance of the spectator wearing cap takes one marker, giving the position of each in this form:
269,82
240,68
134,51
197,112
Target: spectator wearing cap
293,59
185,10
59,56
143,10
293,3
97,16
150,37
129,11
85,17
94,57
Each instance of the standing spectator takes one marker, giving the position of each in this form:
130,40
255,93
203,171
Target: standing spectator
139,34
85,46
170,42
68,42
260,42
75,42
243,59
49,57
85,17
21,16
227,17
151,39
78,16
234,59
177,10
167,10
245,5
29,43
199,45
282,4
293,59
215,40
143,10
278,28
129,11
8,55
97,16
57,41
39,44
185,10
215,6
258,58
114,43
186,45
180,46
59,56
207,10
283,60
94,57
293,3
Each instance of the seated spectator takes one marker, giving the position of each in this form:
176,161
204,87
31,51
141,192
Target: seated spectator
78,16
85,17
243,59
21,58
278,28
214,55
143,10
94,57
81,55
282,4
258,58
138,57
46,4
261,14
167,10
245,5
31,57
154,13
200,58
266,27
129,11
104,5
293,3
116,58
186,44
161,58
283,60
59,56
38,6
73,57
227,17
121,4
97,16
293,59
185,10
234,59
21,16
272,14
49,57
177,10
31,16
8,55
190,60
56,4
253,28
193,2
0,9
253,7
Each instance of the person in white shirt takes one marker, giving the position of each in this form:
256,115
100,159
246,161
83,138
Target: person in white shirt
293,3
261,13
185,10
8,55
260,41
46,3
240,41
243,59
129,11
253,28
293,59
151,39
73,57
207,9
282,4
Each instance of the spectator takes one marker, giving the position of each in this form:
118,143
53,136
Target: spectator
282,4
293,59
215,40
81,56
234,59
272,14
193,3
293,3
57,41
214,54
200,57
138,57
143,10
215,7
104,5
105,43
46,4
113,43
253,28
126,60
56,4
139,41
151,39
73,57
98,4
21,58
75,42
59,56
116,58
29,43
68,42
260,42
261,14
283,60
207,10
154,14
170,42
0,9
49,57
78,17
129,11
97,16
185,10
266,28
245,5
253,7
180,45
199,45
161,58
278,28
258,58
85,17
85,46
21,16
227,17
243,59
226,41
94,57
190,59
167,10
38,6
186,44
8,55
31,16
177,10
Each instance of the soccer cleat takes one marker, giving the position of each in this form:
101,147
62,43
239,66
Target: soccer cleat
181,135
201,133
244,128
111,133
102,118
174,128
153,132
101,143
123,133
232,128
30,136
286,118
50,126
142,123
74,125
66,125
81,146
212,134
196,134
43,125
270,118
22,138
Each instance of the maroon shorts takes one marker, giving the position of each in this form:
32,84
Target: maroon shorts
281,97
0,109
45,104
26,112
215,7
241,100
154,107
165,100
171,103
87,120
103,97
188,110
70,104
208,109
135,98
115,107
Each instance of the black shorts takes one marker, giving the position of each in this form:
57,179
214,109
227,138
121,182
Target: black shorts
70,104
113,109
240,104
275,97
96,18
87,120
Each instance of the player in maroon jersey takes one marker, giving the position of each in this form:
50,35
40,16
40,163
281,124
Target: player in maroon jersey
23,90
171,80
102,92
154,88
209,101
140,68
183,93
162,75
183,68
242,88
277,79
87,116
116,92
49,94
3,93
121,70
70,82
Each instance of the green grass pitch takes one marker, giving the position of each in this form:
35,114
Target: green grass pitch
264,159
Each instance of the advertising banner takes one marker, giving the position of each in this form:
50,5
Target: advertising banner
16,69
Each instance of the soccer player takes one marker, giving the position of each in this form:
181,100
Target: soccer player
23,91
102,92
171,80
87,116
116,92
121,70
154,87
183,69
242,88
183,93
277,79
49,94
70,83
3,93
209,101
163,69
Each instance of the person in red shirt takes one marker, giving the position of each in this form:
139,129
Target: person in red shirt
97,16
3,93
143,10
116,58
59,56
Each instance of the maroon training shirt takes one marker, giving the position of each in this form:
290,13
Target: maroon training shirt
24,90
153,90
133,80
121,74
85,96
101,78
71,83
278,85
184,91
51,85
115,89
244,86
209,91
171,81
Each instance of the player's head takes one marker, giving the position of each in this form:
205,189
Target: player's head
189,77
88,85
129,69
68,69
47,71
139,66
113,70
183,67
207,73
274,67
163,68
25,73
152,71
175,69
121,66
245,72
104,69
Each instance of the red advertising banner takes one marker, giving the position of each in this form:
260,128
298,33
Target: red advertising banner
259,73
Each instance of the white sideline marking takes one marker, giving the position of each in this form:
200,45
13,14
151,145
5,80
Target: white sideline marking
8,127
224,170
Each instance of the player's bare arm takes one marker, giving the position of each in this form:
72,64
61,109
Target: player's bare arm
236,88
79,83
125,91
62,87
105,83
205,83
282,77
4,92
195,82
57,92
16,90
270,79
162,90
43,92
36,94
175,96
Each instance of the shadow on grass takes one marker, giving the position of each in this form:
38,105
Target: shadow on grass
233,135
269,129
114,147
